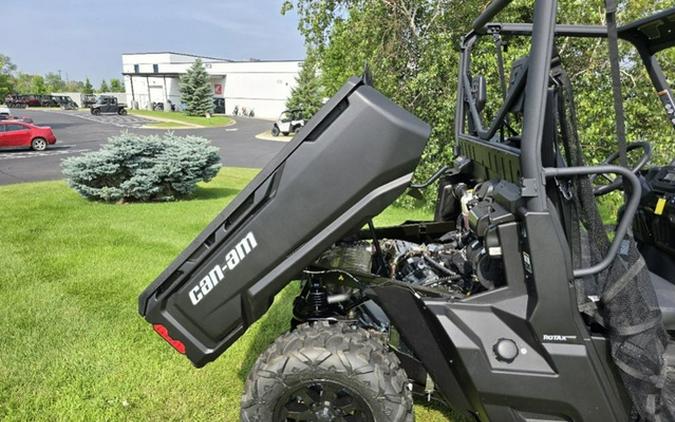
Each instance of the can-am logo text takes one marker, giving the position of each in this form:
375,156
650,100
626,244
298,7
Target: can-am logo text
215,276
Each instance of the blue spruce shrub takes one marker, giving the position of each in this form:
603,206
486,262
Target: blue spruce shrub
131,167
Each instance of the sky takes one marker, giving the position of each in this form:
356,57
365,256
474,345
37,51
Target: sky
86,38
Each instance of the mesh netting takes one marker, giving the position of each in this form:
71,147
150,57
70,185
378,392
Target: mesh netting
625,301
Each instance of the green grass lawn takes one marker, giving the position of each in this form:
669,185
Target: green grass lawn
213,121
73,346
167,125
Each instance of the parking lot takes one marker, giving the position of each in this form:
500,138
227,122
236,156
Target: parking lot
79,132
128,121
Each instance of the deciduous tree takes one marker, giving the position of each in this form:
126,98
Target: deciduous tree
7,68
412,49
54,82
37,85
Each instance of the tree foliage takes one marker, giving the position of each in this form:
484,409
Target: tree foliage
22,83
15,82
143,168
37,85
412,50
196,90
104,86
308,91
54,82
116,85
74,86
88,87
6,70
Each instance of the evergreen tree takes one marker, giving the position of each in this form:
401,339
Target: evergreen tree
307,93
196,90
104,87
116,85
88,88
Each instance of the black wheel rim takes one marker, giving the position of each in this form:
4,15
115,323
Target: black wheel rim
322,400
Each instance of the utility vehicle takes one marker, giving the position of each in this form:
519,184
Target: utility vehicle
15,101
88,100
218,105
289,121
65,102
108,104
513,304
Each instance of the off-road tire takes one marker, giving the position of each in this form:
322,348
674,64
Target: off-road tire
122,112
275,130
285,133
96,112
38,144
338,353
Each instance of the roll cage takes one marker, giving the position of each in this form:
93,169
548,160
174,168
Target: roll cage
649,36
522,164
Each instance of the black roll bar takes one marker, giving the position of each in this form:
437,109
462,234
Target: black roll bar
626,219
490,12
543,33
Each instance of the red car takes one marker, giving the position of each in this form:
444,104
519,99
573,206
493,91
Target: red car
15,134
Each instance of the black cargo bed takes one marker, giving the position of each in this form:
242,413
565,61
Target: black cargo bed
353,159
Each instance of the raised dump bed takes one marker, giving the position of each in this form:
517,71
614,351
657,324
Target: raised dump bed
352,160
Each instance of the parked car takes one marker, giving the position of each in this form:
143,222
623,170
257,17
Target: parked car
6,114
16,134
18,118
289,121
108,104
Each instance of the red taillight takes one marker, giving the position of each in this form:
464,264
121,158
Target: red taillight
162,331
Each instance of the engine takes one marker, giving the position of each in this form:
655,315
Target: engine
458,263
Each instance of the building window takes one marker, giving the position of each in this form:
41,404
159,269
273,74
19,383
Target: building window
155,68
137,69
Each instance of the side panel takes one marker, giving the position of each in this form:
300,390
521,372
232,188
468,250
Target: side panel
351,161
558,372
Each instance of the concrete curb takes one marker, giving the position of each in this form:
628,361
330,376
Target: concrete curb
267,136
184,125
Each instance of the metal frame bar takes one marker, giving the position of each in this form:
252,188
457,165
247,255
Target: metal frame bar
539,68
490,12
543,31
563,30
626,219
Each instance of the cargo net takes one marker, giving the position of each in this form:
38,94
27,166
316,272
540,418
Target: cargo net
621,298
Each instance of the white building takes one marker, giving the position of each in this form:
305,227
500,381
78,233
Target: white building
261,86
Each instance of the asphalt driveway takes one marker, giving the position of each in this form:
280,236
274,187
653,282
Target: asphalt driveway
78,134
128,121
